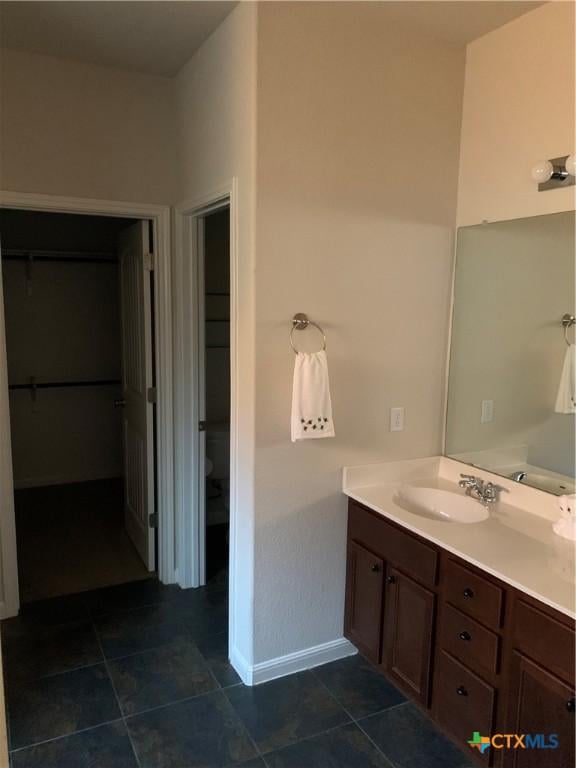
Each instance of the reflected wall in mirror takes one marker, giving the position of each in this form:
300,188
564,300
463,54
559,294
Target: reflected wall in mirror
514,280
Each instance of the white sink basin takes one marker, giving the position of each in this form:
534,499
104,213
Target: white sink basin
441,505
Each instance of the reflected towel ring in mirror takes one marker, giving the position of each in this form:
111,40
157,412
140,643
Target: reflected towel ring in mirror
568,321
300,322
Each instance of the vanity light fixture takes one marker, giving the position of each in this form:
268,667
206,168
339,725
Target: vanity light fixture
555,173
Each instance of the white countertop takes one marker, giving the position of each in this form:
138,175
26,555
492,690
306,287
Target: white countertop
515,545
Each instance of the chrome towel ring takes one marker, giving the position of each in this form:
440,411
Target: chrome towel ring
568,321
300,322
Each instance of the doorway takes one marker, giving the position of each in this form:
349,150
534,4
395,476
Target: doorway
214,362
79,313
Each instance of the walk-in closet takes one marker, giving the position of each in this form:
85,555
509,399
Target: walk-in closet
65,313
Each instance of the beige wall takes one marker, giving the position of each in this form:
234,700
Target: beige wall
67,329
350,231
73,129
519,107
216,113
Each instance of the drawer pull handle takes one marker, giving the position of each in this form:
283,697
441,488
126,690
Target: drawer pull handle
465,635
391,579
461,691
375,567
468,592
571,705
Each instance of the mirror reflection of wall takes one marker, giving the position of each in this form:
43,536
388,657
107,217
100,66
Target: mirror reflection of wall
514,281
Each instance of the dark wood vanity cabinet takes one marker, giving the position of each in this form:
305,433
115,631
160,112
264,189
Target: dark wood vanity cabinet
407,634
539,703
391,600
478,655
364,591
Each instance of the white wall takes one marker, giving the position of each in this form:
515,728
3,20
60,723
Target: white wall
74,129
216,109
350,231
519,107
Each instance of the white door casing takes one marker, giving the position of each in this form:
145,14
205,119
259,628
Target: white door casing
137,383
201,379
159,216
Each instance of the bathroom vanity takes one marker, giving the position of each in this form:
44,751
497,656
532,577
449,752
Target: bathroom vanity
474,622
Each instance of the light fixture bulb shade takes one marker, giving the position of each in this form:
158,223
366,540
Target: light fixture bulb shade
570,164
542,171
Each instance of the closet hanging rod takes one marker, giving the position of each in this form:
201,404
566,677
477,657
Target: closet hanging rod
66,384
93,257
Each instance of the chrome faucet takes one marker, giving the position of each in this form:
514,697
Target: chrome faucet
487,493
518,476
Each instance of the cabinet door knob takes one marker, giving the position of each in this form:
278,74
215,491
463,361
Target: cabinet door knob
468,592
571,705
461,691
391,579
465,635
375,567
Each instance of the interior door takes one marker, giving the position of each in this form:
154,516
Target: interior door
137,382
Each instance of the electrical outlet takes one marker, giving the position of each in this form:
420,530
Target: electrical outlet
396,419
487,414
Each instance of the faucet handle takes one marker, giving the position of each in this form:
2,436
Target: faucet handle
467,480
497,487
492,491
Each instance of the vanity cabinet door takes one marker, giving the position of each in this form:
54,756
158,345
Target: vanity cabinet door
539,703
364,593
408,632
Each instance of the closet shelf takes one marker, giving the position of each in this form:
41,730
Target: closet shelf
64,257
66,384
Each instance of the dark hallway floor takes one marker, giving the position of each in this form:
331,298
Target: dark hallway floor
81,528
136,676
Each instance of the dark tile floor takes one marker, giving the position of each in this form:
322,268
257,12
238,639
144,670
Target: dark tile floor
137,676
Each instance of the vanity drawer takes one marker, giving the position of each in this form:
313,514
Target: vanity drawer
402,549
469,641
463,703
473,594
544,639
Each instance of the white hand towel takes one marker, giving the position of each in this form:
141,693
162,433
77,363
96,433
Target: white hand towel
311,403
566,400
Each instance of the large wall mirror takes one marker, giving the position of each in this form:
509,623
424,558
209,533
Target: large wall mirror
511,406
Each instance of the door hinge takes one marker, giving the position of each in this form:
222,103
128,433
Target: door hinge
151,394
149,262
153,520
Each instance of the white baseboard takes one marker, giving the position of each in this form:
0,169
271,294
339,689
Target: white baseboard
291,663
241,666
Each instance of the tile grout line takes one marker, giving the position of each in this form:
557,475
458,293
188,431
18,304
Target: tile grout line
121,710
298,741
65,735
244,728
390,762
357,723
